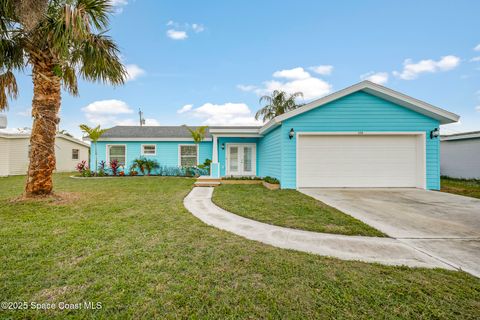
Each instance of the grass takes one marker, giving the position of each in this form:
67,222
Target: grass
131,245
463,187
288,208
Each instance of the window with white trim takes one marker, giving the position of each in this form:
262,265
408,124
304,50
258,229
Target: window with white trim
188,155
149,149
75,153
117,152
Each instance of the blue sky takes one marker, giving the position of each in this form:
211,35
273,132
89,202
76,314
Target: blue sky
207,62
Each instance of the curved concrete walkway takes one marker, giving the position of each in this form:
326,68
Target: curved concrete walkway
369,249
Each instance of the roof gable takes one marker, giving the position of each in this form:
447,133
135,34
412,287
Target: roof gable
382,92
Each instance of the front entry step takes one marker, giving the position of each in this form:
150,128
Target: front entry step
206,183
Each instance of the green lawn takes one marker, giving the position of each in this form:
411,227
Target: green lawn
464,187
288,208
131,245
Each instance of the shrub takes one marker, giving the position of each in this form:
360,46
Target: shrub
271,180
83,169
132,171
139,164
242,178
205,165
101,169
150,165
114,165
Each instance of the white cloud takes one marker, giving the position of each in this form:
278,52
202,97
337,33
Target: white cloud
118,5
296,80
118,2
25,113
293,74
107,107
185,108
179,31
135,122
311,88
477,108
376,77
477,47
322,69
134,71
177,34
412,70
224,114
197,28
475,59
112,112
247,87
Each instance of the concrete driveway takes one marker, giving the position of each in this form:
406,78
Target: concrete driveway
442,225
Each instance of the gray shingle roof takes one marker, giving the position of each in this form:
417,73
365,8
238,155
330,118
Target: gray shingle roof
160,131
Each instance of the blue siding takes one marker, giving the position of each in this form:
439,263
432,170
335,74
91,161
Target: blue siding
167,151
222,152
270,154
359,111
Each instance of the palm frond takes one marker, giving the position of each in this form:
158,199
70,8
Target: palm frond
277,103
8,89
93,133
100,60
69,80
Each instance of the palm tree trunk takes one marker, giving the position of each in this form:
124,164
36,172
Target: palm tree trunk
96,160
45,108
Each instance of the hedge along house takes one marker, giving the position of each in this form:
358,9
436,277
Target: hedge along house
363,136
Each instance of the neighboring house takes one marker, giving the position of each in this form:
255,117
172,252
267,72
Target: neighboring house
14,148
363,136
460,155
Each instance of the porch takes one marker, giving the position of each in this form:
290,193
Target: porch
234,152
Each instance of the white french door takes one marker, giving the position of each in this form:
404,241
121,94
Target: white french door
241,159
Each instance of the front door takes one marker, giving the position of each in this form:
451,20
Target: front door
241,159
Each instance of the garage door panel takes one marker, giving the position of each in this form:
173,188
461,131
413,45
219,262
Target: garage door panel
358,161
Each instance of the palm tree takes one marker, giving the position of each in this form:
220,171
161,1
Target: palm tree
68,40
93,134
277,103
198,134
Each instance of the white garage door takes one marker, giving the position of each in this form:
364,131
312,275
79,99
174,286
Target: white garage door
360,161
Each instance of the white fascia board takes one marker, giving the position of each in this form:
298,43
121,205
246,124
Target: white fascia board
270,125
475,135
151,139
238,135
74,140
241,130
429,110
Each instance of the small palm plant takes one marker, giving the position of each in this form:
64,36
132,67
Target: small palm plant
139,164
66,39
277,103
198,134
150,165
93,134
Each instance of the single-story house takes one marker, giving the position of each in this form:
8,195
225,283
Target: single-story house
460,155
366,135
14,149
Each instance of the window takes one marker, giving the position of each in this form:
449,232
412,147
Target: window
149,149
75,153
188,155
117,152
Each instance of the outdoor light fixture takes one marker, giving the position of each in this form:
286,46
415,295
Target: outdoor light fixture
434,133
291,134
223,146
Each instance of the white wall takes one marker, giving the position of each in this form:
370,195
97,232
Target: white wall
18,155
14,155
4,156
460,158
63,153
